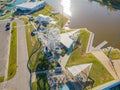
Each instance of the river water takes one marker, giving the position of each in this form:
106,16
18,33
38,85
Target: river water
104,21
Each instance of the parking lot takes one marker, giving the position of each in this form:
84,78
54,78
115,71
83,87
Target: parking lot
4,46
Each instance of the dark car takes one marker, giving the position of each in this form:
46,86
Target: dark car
7,26
34,32
31,19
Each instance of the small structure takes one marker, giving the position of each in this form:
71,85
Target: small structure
68,39
41,18
58,69
80,72
50,38
30,7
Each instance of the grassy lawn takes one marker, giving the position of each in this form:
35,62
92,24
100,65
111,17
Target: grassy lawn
1,78
61,20
98,72
114,54
41,83
12,67
83,40
64,31
5,16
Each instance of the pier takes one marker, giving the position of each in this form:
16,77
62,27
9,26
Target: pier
98,47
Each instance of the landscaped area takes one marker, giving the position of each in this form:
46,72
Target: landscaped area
45,53
114,54
12,66
32,43
2,79
83,39
5,16
41,83
98,72
35,50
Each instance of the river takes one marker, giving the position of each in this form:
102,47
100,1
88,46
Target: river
104,21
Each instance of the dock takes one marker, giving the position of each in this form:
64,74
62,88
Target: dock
98,47
90,45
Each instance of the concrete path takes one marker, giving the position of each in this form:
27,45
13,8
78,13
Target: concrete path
102,44
21,80
117,67
105,61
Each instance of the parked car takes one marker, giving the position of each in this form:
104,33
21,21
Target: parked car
34,32
31,19
7,26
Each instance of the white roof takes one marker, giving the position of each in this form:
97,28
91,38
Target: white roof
74,70
30,5
66,40
41,17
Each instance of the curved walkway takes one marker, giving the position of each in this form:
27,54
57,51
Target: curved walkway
21,80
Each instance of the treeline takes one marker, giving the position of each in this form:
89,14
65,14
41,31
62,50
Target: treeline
115,1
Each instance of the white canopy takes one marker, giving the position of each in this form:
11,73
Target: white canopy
41,18
66,39
75,70
30,5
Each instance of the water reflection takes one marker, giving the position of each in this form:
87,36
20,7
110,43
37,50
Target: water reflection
66,4
107,4
101,19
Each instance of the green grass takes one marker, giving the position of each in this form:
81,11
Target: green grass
83,40
5,16
98,72
64,31
41,84
1,78
34,86
12,67
114,54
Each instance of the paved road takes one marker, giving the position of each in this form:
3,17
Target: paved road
21,79
4,46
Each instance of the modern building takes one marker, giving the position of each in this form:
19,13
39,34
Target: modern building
30,7
80,72
41,18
